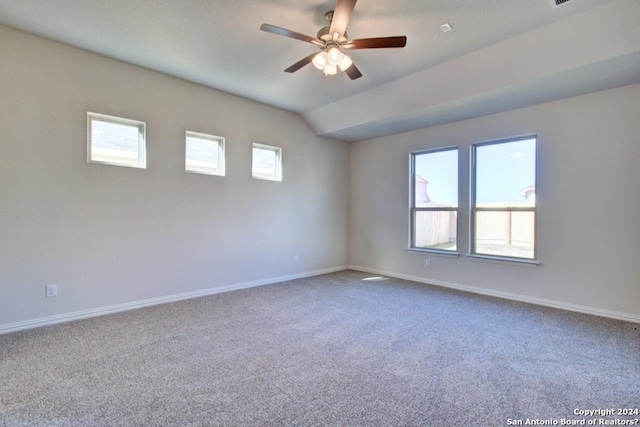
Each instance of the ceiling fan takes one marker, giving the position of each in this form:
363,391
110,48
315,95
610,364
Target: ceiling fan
333,40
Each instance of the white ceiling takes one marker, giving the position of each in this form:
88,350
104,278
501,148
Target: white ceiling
501,54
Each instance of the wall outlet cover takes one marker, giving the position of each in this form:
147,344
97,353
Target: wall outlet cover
51,291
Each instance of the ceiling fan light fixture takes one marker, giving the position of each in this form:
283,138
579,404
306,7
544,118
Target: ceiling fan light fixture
334,56
330,70
320,60
345,62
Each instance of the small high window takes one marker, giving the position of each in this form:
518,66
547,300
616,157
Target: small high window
204,153
115,141
266,162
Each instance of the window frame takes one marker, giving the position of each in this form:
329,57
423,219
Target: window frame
413,210
278,166
141,161
473,209
203,170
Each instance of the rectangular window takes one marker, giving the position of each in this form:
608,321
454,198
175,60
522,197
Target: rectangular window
503,208
266,162
204,153
115,141
434,200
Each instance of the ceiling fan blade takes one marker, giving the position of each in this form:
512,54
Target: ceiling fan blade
304,61
291,34
341,16
376,43
353,72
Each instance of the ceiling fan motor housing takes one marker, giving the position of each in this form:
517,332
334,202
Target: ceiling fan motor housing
324,33
325,36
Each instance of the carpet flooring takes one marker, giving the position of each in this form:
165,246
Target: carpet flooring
335,350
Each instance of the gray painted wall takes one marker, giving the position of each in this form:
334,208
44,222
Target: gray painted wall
588,200
112,235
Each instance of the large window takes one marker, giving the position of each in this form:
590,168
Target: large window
504,199
204,153
434,200
266,162
115,141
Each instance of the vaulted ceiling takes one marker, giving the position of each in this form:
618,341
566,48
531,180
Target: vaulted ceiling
500,55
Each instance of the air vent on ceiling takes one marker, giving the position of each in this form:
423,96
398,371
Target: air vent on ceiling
556,3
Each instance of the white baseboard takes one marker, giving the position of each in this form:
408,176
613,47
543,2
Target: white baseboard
506,295
100,311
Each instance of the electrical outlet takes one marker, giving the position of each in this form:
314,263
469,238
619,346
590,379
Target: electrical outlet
427,262
51,291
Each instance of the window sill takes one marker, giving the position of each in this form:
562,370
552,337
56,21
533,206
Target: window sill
531,263
449,254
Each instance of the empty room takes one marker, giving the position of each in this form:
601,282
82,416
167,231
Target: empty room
319,212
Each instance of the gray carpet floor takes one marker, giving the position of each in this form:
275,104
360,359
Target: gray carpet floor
327,350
